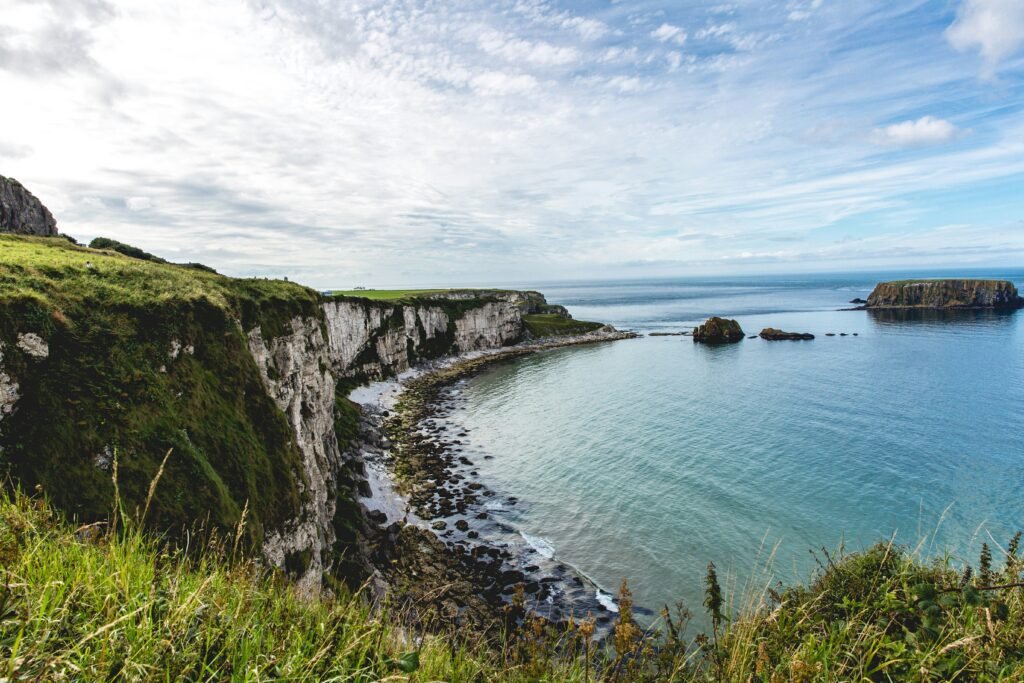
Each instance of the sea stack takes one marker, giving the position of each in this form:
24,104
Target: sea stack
940,294
717,330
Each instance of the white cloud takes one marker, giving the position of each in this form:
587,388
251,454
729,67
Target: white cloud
523,51
500,83
994,27
138,203
589,29
926,130
667,32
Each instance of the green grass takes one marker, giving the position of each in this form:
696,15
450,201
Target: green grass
553,325
110,384
388,294
117,605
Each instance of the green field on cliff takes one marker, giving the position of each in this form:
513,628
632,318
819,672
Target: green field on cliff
145,358
388,294
111,603
553,325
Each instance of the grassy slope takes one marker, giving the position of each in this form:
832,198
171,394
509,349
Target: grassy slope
109,384
551,325
120,607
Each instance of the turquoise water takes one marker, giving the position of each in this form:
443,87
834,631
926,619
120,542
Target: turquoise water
646,459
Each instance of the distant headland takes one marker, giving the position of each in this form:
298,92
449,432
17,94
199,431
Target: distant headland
944,294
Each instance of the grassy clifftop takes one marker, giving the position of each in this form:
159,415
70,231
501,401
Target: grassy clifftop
143,357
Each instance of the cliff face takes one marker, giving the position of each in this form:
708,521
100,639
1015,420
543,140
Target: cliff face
21,212
353,339
239,377
373,339
945,294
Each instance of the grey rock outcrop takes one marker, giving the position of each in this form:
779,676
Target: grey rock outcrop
22,213
952,293
773,334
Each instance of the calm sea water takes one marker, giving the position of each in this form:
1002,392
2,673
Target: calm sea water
647,459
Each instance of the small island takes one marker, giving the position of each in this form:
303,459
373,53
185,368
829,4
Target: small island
717,330
945,294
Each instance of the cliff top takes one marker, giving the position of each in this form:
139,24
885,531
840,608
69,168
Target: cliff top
58,275
984,282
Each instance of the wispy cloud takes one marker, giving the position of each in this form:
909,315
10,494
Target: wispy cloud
926,130
668,32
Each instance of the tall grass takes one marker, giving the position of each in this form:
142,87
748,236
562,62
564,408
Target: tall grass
96,603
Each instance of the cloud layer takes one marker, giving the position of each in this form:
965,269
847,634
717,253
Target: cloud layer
426,142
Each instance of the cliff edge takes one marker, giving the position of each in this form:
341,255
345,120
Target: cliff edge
953,293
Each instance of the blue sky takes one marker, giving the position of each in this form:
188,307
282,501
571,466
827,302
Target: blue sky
408,142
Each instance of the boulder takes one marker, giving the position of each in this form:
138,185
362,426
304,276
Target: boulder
858,301
717,330
772,334
939,294
22,213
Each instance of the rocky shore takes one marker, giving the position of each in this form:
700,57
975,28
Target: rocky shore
436,539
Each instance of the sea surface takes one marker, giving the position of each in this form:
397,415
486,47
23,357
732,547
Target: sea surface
646,459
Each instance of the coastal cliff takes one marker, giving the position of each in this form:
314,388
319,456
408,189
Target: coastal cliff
111,361
953,293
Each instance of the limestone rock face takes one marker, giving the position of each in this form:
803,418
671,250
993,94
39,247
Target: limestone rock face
9,393
296,372
363,339
945,294
21,212
772,334
717,330
371,339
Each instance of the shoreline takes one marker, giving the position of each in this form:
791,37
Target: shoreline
456,555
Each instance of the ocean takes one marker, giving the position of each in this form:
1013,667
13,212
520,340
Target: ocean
647,459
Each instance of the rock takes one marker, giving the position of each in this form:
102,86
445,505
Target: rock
953,293
717,330
462,525
22,213
772,334
439,525
830,334
858,301
32,344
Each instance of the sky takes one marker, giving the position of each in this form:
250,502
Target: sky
404,142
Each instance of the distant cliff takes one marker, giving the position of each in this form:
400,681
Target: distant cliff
945,294
22,213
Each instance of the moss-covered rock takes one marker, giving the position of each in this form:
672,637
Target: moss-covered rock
717,330
773,334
